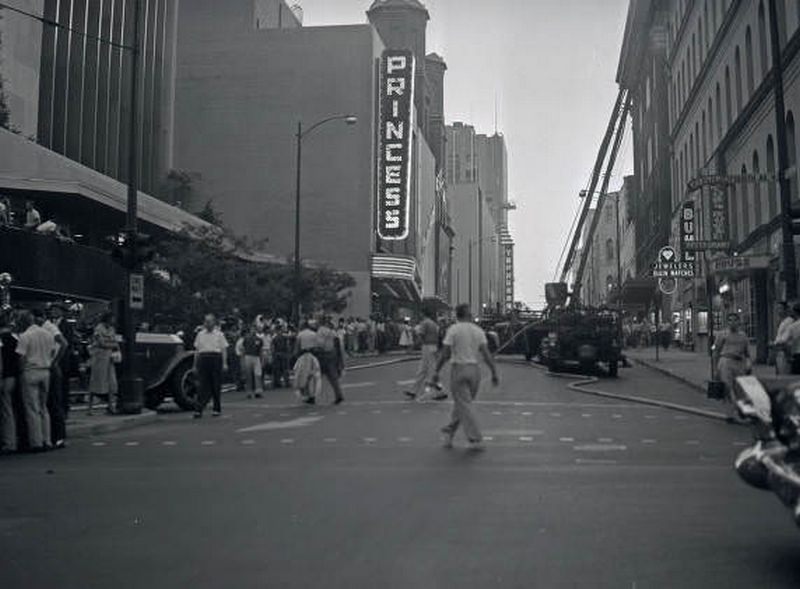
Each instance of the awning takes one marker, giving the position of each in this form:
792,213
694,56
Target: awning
639,291
396,276
28,166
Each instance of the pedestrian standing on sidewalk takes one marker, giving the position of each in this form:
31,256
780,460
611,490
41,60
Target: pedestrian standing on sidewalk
331,357
36,348
465,345
428,332
210,361
8,385
781,345
406,336
251,345
104,350
732,359
55,402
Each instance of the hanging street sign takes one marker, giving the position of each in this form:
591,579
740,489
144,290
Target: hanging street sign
669,266
719,180
667,285
394,144
736,264
687,228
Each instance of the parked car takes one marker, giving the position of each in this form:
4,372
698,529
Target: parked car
167,369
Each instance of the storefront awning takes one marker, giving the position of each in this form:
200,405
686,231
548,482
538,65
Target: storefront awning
396,276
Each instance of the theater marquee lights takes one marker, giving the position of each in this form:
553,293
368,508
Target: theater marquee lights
394,145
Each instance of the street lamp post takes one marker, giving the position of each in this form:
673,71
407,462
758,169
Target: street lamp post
301,134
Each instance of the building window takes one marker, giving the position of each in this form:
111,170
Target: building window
748,52
772,192
647,94
792,152
738,80
708,30
609,250
728,106
745,205
763,40
733,208
757,203
704,141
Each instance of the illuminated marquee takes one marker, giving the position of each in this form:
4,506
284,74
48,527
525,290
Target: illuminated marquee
394,145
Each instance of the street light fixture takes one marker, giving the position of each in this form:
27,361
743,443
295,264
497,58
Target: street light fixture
349,120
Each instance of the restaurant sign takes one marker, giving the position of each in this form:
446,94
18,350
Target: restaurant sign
394,144
736,264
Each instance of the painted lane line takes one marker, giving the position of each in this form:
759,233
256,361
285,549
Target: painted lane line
488,438
131,443
590,461
692,442
275,425
98,444
649,441
525,439
404,440
555,415
566,439
616,416
600,448
169,443
404,383
329,440
370,440
287,441
358,385
497,412
527,413
605,440
248,442
207,443
586,415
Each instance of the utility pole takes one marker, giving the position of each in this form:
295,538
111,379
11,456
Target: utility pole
297,266
132,384
789,263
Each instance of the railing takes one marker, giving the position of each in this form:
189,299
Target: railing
48,267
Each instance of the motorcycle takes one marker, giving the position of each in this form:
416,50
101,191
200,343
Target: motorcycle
771,406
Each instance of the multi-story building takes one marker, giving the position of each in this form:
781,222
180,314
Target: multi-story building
718,62
67,88
477,180
243,88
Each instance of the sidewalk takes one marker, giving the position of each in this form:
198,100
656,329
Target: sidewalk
80,425
691,368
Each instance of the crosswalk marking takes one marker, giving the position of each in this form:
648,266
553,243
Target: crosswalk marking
566,439
525,439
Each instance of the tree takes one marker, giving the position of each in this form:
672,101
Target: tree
207,269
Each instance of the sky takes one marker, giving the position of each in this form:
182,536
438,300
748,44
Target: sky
548,68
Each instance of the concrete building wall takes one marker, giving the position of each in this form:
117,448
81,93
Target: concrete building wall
20,54
239,98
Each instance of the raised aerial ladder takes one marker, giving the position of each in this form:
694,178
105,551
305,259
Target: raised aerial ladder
612,139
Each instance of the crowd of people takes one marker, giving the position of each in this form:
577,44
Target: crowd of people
31,219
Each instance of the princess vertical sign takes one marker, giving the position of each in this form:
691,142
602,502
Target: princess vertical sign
394,143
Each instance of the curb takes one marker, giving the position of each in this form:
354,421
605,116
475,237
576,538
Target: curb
669,373
581,382
119,424
413,358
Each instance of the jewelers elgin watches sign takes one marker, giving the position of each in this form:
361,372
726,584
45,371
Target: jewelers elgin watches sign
394,143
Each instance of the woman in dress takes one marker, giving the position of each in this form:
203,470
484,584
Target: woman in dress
105,353
732,359
406,336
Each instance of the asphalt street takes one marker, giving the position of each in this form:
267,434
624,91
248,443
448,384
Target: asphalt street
572,491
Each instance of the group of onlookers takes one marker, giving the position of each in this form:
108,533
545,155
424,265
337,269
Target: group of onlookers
31,219
34,397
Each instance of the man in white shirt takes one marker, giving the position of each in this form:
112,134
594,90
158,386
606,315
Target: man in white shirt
210,361
783,358
36,348
465,345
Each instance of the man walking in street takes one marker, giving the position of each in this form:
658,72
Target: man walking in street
428,332
36,348
465,345
249,347
210,361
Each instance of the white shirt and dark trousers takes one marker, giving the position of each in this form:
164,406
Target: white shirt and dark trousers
209,347
465,340
37,349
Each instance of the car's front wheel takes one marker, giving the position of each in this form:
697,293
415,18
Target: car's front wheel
183,386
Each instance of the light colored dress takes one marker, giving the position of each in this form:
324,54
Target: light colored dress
103,379
733,353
